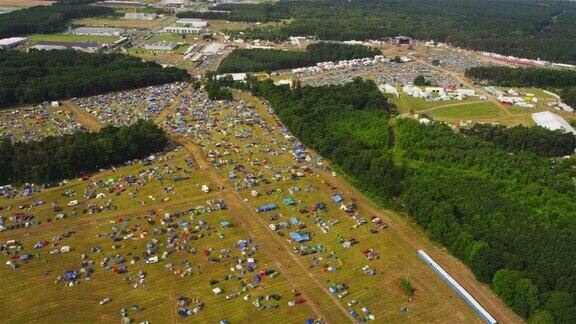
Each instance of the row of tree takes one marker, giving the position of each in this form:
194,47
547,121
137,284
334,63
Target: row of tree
520,28
509,217
39,76
522,77
68,156
47,19
262,12
253,60
539,140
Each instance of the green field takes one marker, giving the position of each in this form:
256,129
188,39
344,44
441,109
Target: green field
464,110
406,103
70,38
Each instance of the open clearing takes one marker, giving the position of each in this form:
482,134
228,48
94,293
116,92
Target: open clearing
24,3
218,139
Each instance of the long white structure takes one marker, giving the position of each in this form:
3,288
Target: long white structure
456,286
552,121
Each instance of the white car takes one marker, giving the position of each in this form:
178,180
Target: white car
105,301
352,302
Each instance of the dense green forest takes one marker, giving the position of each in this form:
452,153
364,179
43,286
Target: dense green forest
47,19
539,140
68,156
562,80
253,60
522,77
38,76
529,28
498,204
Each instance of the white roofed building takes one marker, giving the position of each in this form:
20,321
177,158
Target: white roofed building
12,42
552,121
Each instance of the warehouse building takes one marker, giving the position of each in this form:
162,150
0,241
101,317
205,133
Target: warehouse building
161,46
12,42
139,16
552,121
192,22
88,47
183,30
98,31
122,4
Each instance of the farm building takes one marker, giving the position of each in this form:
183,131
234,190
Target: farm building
552,121
192,22
12,42
88,47
402,40
161,46
456,286
182,30
98,31
139,16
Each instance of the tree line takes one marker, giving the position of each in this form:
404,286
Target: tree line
39,76
509,217
68,156
520,28
538,140
253,60
47,19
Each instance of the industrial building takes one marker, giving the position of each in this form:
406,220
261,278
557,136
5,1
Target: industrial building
98,31
139,16
552,121
456,286
192,22
161,46
123,4
12,42
182,30
88,47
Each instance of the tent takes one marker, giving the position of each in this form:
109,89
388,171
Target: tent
299,237
289,201
336,198
225,224
267,207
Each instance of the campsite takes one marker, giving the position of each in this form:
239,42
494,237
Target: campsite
247,160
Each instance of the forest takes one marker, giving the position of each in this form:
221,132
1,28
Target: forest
528,28
47,19
563,81
256,60
69,156
538,140
500,205
39,76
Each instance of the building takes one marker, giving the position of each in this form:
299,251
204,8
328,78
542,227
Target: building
552,121
98,31
123,4
182,30
12,42
402,40
173,3
192,22
88,47
139,16
161,46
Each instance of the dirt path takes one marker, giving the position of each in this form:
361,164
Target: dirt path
83,117
415,237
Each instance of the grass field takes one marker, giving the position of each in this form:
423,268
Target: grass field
23,3
240,133
70,38
119,22
406,103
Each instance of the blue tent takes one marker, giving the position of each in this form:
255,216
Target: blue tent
294,221
336,198
268,207
299,237
289,201
225,224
